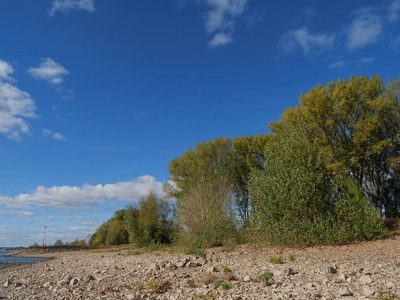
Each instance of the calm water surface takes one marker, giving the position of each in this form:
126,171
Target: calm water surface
13,261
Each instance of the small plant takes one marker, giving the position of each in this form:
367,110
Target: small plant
157,286
276,260
266,277
225,286
227,270
193,249
135,252
291,257
210,278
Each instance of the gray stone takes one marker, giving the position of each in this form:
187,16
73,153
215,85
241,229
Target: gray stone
344,291
368,291
247,278
48,284
74,282
212,269
365,279
7,283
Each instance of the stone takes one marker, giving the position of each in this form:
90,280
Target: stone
365,279
343,277
368,291
48,284
74,282
247,278
332,270
212,269
7,283
309,285
390,284
344,291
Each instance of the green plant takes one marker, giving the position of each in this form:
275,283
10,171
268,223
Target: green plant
266,277
225,286
135,252
227,270
276,260
291,257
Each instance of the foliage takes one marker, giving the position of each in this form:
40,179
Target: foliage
297,199
149,223
276,259
224,285
153,222
220,157
226,270
266,277
356,125
205,214
34,245
58,243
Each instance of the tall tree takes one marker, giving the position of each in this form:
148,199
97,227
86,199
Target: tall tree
355,123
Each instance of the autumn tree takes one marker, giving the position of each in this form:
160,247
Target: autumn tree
355,123
231,159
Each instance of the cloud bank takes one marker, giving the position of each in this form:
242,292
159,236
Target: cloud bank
85,196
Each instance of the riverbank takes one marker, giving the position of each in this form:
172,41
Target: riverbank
367,270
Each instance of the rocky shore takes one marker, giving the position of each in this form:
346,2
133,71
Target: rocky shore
369,270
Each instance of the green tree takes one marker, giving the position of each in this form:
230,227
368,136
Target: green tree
58,243
220,157
154,223
116,234
355,123
297,199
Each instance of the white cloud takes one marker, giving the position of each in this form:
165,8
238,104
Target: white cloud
68,197
66,6
366,60
15,105
364,30
307,41
220,39
5,70
394,10
338,64
54,135
18,213
49,71
220,19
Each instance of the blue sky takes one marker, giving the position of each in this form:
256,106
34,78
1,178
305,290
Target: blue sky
96,97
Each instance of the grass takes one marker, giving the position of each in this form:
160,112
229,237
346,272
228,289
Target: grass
155,285
227,270
276,259
224,285
291,257
135,252
266,277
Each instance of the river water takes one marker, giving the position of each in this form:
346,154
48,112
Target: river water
13,261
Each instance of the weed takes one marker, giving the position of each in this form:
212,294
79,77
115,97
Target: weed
192,249
266,277
210,278
276,260
225,286
227,270
157,286
291,257
191,283
135,252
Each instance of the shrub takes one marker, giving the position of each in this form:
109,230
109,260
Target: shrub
205,213
297,200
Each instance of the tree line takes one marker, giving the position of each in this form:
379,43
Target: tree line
327,173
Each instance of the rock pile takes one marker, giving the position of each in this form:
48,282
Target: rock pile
363,271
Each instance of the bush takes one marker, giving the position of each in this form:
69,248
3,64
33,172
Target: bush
297,200
205,214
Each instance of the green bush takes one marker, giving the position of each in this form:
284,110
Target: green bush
297,200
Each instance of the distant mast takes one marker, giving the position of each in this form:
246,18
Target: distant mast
44,235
